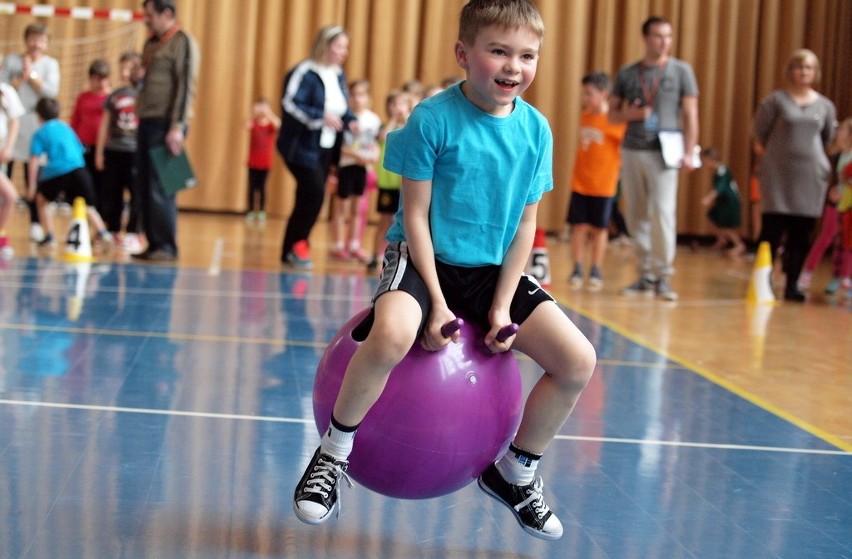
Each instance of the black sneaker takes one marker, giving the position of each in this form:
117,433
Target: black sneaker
47,241
664,290
642,286
155,255
595,280
317,493
525,501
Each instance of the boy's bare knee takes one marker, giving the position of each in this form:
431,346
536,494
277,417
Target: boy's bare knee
388,347
579,368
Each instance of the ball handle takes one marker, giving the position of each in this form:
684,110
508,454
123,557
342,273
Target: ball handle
451,327
507,332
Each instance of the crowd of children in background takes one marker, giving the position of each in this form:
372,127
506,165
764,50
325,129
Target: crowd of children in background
104,123
357,173
93,156
593,216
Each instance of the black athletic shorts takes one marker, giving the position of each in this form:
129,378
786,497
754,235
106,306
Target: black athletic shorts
351,181
76,183
388,200
591,210
468,291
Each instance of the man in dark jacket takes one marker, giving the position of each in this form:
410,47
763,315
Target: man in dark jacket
164,105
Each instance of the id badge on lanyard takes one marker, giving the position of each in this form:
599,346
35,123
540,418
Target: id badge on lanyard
652,123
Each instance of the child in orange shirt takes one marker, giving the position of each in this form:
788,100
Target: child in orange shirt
594,181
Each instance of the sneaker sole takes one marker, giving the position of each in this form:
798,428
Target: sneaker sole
647,293
303,267
527,529
310,520
298,265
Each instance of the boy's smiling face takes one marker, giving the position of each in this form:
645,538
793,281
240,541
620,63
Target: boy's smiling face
500,65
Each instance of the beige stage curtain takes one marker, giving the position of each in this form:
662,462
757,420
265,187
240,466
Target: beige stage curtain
738,49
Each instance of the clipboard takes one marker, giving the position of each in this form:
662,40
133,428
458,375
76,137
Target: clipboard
175,171
671,144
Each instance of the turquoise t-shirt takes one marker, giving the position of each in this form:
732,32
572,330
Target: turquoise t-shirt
62,146
484,171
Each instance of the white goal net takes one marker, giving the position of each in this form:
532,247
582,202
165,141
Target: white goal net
75,42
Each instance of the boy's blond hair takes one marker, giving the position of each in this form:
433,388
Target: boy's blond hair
511,14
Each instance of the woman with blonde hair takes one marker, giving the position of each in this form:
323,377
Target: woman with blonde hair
316,110
793,126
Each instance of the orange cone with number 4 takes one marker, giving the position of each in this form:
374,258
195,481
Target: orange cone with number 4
78,243
539,264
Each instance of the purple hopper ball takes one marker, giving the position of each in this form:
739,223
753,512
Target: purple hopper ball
442,419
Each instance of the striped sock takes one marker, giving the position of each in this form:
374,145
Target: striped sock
338,440
518,466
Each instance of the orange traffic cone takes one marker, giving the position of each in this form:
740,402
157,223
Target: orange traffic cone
760,288
538,265
78,243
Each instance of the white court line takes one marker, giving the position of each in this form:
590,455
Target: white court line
152,411
270,419
202,292
705,445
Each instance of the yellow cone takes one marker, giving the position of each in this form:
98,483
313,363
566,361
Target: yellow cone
760,288
78,243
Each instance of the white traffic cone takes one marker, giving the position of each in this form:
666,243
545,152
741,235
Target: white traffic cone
538,265
78,242
760,288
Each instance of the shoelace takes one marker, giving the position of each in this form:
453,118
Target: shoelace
324,476
535,497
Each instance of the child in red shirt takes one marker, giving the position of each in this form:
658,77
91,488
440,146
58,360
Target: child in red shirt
86,120
263,127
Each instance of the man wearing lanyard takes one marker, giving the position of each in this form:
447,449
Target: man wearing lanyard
657,93
170,59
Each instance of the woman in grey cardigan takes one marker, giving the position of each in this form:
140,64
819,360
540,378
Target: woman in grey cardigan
792,127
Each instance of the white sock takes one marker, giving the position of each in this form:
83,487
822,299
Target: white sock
518,466
338,440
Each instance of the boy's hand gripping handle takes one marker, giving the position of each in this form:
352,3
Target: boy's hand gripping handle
450,328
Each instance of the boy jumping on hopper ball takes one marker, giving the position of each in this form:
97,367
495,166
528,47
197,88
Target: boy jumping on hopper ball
475,161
